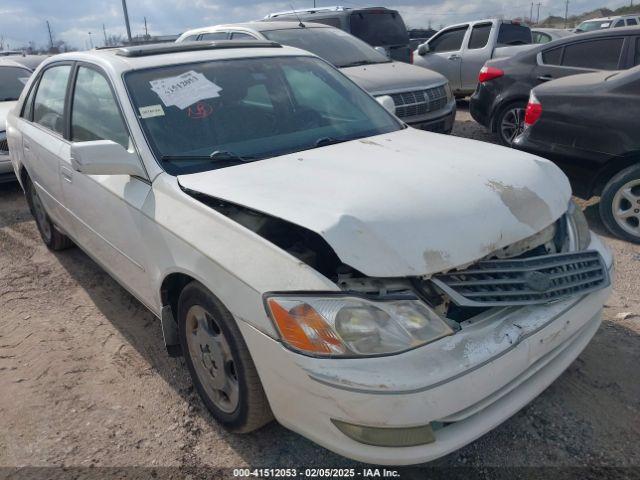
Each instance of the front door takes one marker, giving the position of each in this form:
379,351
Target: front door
445,54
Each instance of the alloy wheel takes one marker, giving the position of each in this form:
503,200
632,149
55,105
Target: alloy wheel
512,124
626,207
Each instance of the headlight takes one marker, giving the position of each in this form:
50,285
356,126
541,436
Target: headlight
579,226
447,88
351,326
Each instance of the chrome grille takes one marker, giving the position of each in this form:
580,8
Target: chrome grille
419,102
4,146
525,281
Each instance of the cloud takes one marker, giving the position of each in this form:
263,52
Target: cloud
22,21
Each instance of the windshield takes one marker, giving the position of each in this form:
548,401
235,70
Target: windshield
209,115
12,81
335,46
379,27
593,25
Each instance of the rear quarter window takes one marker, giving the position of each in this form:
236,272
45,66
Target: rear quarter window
601,54
514,34
479,36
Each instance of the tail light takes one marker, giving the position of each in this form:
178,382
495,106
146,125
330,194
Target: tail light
489,73
533,111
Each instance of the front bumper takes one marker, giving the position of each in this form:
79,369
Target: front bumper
436,122
465,384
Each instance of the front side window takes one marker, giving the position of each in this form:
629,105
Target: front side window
217,114
190,38
335,46
479,36
48,107
539,37
448,41
94,112
596,54
12,81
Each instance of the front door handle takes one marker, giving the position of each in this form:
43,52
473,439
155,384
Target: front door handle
545,78
454,56
67,174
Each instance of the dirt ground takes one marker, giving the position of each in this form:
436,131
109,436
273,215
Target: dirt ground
85,380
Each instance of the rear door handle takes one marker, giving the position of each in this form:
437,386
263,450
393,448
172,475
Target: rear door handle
67,174
545,78
454,57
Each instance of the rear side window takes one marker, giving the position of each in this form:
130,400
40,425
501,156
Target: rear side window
514,34
241,36
632,21
448,41
94,113
619,23
332,21
214,36
479,36
552,56
599,54
379,27
48,107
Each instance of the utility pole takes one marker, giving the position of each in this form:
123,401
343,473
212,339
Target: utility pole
90,40
104,30
566,12
531,14
126,19
538,17
50,36
146,31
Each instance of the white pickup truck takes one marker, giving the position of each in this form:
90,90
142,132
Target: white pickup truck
459,51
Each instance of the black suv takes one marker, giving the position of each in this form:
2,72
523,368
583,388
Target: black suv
504,84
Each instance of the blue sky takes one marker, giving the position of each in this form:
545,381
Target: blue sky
71,20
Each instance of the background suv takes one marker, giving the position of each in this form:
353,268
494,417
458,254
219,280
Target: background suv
418,96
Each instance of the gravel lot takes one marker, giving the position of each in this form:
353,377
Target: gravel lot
85,380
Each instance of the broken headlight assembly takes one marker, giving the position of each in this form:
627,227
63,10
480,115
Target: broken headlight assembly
578,226
346,326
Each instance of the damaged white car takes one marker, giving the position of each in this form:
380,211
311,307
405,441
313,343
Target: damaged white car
389,293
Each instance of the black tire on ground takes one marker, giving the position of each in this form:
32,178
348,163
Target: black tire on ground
252,411
500,117
53,238
628,176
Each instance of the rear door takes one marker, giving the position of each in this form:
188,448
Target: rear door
43,141
445,54
581,57
477,52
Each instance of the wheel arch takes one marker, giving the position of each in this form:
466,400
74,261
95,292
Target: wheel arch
172,285
501,105
611,169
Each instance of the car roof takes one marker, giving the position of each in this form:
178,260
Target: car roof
607,32
10,62
118,61
258,26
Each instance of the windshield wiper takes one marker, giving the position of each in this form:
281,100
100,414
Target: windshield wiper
324,141
357,64
216,156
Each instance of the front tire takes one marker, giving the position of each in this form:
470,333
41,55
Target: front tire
510,122
53,238
219,362
620,204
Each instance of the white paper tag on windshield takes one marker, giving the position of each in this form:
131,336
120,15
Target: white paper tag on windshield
605,25
184,90
23,80
151,111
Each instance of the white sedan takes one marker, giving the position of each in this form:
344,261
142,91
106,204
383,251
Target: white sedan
389,293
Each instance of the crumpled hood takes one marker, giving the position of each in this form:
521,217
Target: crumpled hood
5,107
392,76
406,203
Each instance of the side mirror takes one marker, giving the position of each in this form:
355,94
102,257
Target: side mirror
382,50
423,49
105,157
387,102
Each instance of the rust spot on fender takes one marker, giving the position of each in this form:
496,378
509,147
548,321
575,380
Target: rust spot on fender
524,204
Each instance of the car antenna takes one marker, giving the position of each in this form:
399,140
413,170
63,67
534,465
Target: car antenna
300,24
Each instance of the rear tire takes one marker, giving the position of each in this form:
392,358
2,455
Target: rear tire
219,362
620,204
53,238
509,122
